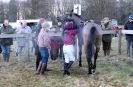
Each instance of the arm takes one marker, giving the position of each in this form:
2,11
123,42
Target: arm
10,31
109,27
73,32
125,27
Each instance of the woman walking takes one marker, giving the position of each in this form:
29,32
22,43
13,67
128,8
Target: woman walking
44,44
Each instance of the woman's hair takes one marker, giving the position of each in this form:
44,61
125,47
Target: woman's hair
45,25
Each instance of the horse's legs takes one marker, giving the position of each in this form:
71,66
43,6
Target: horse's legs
89,58
80,55
61,51
89,61
95,57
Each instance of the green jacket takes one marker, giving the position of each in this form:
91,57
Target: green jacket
6,30
107,37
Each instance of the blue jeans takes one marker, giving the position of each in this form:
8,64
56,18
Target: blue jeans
44,54
129,46
5,52
5,49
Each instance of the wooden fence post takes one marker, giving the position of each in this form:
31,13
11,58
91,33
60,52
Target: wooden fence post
119,41
26,56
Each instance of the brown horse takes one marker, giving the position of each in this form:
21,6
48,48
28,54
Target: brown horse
92,38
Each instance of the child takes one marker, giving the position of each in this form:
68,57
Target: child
44,45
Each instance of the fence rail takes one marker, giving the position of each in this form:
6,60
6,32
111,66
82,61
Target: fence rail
120,32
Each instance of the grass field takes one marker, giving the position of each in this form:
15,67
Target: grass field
113,71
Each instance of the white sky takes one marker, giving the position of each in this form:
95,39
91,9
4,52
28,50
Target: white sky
5,0
9,0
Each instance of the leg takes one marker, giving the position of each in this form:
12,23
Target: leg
89,58
71,57
128,47
39,67
38,56
19,53
0,50
95,58
51,54
38,59
44,55
8,53
104,47
108,48
61,51
132,48
80,54
4,52
66,56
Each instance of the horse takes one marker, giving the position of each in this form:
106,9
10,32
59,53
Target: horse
90,36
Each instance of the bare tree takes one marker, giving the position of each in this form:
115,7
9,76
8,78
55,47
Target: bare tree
12,13
1,12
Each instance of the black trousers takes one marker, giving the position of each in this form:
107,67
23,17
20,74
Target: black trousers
106,45
38,56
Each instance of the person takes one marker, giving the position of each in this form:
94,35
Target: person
68,47
6,42
44,45
129,26
107,38
37,30
22,41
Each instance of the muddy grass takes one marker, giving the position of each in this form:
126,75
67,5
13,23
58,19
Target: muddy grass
113,71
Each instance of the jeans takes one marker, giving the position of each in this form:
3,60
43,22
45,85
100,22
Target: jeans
6,52
5,49
129,46
44,54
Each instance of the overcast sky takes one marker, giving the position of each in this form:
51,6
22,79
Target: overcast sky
9,0
5,0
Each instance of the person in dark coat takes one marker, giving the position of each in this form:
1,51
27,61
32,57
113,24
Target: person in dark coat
38,27
6,42
106,39
129,26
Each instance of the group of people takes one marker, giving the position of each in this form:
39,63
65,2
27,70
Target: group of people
43,41
7,42
43,45
107,38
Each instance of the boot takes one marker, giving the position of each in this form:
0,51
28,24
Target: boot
66,72
43,69
37,62
39,68
69,65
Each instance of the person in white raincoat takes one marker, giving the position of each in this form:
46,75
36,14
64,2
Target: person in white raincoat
22,41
